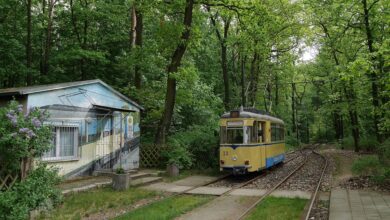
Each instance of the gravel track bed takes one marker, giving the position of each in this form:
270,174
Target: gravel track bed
320,210
234,181
306,178
275,175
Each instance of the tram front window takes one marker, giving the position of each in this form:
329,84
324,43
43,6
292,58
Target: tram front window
235,135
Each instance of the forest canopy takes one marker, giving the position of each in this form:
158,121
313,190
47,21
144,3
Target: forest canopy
321,66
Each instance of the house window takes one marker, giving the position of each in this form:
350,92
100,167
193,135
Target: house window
65,143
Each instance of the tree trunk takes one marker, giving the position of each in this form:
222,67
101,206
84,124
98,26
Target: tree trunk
28,44
253,77
177,56
222,41
293,106
350,94
25,167
47,48
372,73
138,43
225,72
243,97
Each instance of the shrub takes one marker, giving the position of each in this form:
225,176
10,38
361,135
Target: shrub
347,143
371,166
37,190
369,144
384,152
202,142
178,154
366,166
22,137
291,142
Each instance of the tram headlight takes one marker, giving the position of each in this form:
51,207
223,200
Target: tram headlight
247,162
222,162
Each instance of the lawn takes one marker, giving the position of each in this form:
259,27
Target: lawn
273,208
168,209
79,205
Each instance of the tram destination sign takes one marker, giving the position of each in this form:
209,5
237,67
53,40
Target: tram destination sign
235,123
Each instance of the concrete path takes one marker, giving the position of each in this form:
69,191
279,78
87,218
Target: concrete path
221,208
195,180
358,205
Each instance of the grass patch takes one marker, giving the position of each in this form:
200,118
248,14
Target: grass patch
186,173
279,208
167,209
79,205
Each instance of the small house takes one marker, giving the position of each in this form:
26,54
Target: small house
94,126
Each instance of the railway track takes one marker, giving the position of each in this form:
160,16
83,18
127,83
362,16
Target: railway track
286,178
244,181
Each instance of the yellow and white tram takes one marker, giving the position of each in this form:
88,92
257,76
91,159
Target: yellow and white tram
250,140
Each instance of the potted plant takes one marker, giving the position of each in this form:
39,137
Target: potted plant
120,179
177,157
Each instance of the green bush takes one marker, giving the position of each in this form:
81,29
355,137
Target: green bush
369,144
384,152
366,166
178,154
347,143
371,166
202,142
36,191
292,142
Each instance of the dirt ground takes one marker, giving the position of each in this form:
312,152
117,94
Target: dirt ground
340,162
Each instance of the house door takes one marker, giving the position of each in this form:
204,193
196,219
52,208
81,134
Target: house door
104,146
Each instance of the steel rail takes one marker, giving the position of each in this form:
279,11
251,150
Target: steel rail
314,195
247,211
180,193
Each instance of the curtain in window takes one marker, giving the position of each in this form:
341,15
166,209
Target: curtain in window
67,141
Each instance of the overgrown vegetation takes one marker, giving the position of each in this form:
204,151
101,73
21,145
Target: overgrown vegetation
279,208
320,66
23,137
37,191
168,208
84,204
375,166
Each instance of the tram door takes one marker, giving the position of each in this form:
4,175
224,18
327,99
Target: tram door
260,140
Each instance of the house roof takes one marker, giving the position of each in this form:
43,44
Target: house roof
43,88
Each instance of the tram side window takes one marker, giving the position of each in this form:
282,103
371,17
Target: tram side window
260,132
222,135
277,132
254,132
281,133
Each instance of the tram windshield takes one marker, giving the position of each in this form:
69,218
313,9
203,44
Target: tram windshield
234,136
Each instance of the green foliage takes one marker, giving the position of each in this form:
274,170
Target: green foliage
22,135
37,191
292,142
177,154
373,167
384,152
119,170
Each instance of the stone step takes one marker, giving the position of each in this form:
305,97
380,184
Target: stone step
109,172
87,187
145,181
140,175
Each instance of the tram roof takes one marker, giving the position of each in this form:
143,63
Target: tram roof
247,114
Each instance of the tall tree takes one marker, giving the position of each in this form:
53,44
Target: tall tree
173,66
28,43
